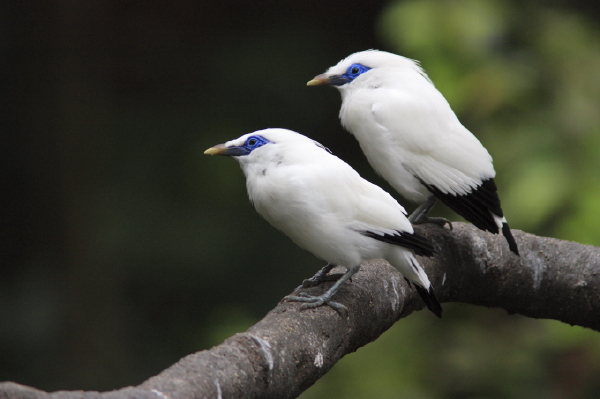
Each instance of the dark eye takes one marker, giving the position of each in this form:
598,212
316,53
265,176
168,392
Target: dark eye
354,70
252,141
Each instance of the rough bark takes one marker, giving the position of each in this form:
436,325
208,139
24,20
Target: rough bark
289,350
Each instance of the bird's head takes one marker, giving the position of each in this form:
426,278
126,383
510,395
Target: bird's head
252,144
364,63
239,147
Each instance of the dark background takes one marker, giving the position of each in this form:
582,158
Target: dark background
123,248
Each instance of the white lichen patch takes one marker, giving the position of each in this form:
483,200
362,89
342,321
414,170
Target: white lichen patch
536,264
480,252
396,297
319,360
159,394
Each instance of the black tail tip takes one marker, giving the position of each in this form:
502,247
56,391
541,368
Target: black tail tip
431,301
512,244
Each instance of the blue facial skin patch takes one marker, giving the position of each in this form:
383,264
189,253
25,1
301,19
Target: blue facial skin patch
251,143
353,72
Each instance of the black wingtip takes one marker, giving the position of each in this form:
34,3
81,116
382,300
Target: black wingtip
512,244
419,244
431,301
477,206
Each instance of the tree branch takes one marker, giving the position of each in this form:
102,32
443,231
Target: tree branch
289,350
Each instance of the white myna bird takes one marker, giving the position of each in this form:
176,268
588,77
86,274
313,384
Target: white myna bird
325,207
413,139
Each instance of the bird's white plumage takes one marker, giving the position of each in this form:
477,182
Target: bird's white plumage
406,128
323,204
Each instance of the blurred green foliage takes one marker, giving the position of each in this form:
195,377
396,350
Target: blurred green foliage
523,78
124,248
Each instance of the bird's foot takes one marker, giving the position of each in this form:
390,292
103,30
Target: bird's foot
419,216
319,278
422,219
311,301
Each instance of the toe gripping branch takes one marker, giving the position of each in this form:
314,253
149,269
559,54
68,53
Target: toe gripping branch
313,301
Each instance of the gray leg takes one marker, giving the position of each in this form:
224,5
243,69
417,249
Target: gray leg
419,216
325,299
321,276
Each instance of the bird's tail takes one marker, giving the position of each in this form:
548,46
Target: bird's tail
431,301
503,226
509,238
407,264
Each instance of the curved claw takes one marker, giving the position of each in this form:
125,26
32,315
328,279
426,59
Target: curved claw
435,220
440,222
338,307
